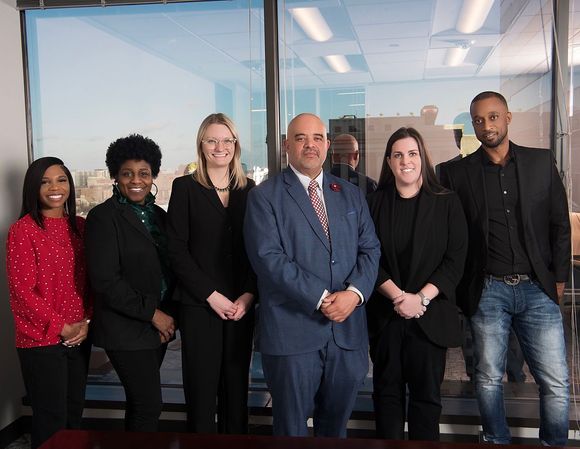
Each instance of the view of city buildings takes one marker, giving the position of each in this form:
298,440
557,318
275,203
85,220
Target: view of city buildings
443,140
94,186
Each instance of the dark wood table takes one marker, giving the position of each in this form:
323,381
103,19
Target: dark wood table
89,439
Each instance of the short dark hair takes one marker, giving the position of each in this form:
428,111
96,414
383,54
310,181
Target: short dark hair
430,182
31,190
136,147
489,94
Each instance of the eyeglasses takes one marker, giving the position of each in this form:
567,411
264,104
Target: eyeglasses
213,143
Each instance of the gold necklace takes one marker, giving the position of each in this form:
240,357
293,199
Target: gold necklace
222,189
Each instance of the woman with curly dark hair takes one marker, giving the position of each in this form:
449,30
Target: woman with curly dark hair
128,268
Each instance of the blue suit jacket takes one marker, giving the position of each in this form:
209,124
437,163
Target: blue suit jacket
295,262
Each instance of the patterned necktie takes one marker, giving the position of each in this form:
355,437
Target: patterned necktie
318,206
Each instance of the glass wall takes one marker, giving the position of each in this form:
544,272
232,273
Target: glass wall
572,125
571,155
373,66
97,74
367,67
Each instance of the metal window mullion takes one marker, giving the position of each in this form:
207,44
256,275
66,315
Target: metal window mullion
272,62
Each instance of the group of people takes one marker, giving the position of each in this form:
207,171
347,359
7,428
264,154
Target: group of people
336,272
136,274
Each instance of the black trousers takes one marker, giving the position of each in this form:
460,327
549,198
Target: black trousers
216,357
139,373
55,378
404,357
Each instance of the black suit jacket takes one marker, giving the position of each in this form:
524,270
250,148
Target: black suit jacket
440,166
439,249
544,214
345,171
206,245
125,274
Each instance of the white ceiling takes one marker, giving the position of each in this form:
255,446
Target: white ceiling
408,40
383,40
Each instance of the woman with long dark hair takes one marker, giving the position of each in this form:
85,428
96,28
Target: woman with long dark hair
215,283
412,315
48,295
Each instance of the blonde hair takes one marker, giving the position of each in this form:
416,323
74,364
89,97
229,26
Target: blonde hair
237,175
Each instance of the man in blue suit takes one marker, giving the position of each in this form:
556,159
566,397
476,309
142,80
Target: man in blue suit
312,243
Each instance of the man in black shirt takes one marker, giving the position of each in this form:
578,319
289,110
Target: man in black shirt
345,159
517,265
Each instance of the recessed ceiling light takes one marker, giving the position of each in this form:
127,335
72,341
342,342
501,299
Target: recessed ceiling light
338,63
312,23
473,15
455,56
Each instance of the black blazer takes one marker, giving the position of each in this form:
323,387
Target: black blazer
438,256
345,171
205,241
125,274
544,214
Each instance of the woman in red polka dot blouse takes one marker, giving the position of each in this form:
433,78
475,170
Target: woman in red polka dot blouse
48,295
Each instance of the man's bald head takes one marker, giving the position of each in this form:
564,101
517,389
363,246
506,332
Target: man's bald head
345,150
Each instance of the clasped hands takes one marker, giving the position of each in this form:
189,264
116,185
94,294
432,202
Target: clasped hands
74,334
338,306
408,305
228,310
165,324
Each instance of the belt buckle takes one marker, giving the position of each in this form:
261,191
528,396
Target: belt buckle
512,279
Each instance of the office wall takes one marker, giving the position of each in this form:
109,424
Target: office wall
13,163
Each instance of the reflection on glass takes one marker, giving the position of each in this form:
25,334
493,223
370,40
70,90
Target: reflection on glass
417,64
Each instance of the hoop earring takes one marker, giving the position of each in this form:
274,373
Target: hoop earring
156,190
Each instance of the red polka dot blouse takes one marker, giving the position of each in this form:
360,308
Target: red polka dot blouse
47,279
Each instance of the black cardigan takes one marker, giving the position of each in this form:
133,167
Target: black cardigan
125,275
438,256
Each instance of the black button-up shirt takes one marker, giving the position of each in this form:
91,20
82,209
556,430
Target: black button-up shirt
506,247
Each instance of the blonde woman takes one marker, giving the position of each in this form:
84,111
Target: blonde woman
215,284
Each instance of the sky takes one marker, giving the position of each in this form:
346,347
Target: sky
90,86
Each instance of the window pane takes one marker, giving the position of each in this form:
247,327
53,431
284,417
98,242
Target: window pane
570,154
368,67
393,64
97,74
573,102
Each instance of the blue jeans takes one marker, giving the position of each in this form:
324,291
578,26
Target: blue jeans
537,322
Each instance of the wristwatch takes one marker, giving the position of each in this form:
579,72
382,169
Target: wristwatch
424,300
